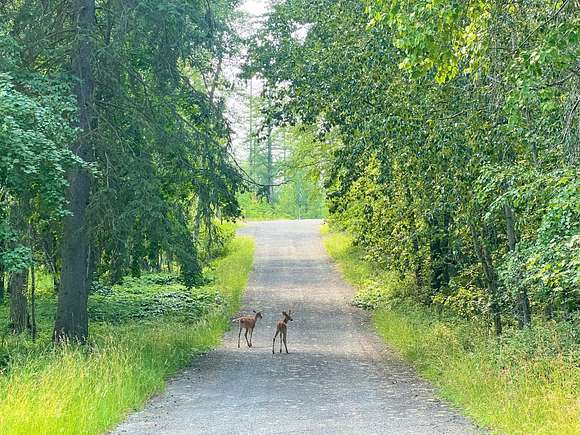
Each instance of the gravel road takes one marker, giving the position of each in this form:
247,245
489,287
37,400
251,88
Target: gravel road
339,377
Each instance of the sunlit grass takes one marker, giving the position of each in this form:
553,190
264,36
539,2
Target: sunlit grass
72,390
500,389
526,382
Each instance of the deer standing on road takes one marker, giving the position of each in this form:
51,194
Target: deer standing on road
248,322
282,329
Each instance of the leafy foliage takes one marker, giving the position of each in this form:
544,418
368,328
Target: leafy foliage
148,114
449,132
47,389
34,134
141,303
522,381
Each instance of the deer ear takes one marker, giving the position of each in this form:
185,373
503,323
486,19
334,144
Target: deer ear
253,311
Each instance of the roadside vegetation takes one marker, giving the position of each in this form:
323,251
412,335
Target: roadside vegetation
142,331
443,137
118,190
447,138
525,381
285,189
292,201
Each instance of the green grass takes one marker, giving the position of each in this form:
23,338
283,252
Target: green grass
254,209
524,382
71,390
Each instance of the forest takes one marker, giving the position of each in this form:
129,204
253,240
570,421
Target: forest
447,139
118,193
133,87
439,140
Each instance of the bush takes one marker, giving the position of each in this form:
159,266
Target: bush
69,389
122,307
522,382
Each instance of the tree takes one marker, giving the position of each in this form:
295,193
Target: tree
147,107
440,116
71,316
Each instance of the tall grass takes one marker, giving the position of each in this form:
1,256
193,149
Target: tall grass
72,390
524,382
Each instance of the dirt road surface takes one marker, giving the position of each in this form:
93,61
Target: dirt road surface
339,377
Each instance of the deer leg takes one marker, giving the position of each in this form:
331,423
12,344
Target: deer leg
274,342
285,343
281,340
239,335
247,342
251,333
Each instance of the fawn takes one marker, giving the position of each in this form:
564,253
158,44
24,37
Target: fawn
282,329
248,322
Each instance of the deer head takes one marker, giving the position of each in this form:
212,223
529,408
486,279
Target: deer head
287,316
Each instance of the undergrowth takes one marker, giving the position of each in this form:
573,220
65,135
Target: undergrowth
524,382
141,332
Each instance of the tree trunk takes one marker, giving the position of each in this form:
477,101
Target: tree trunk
414,240
33,302
1,280
154,255
71,316
18,301
93,261
490,278
49,245
439,250
197,222
523,302
270,169
251,132
169,261
117,265
18,281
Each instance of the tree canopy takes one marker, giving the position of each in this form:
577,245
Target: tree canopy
115,147
454,140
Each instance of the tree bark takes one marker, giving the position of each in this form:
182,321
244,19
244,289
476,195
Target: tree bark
414,240
490,278
18,301
117,265
523,302
18,281
49,246
1,279
33,302
71,316
251,131
439,250
154,255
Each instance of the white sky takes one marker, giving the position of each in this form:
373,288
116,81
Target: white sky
237,103
255,7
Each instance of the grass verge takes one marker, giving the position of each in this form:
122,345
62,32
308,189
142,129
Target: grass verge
524,382
72,390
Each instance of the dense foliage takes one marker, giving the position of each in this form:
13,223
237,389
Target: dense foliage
524,381
134,347
451,137
115,150
283,186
